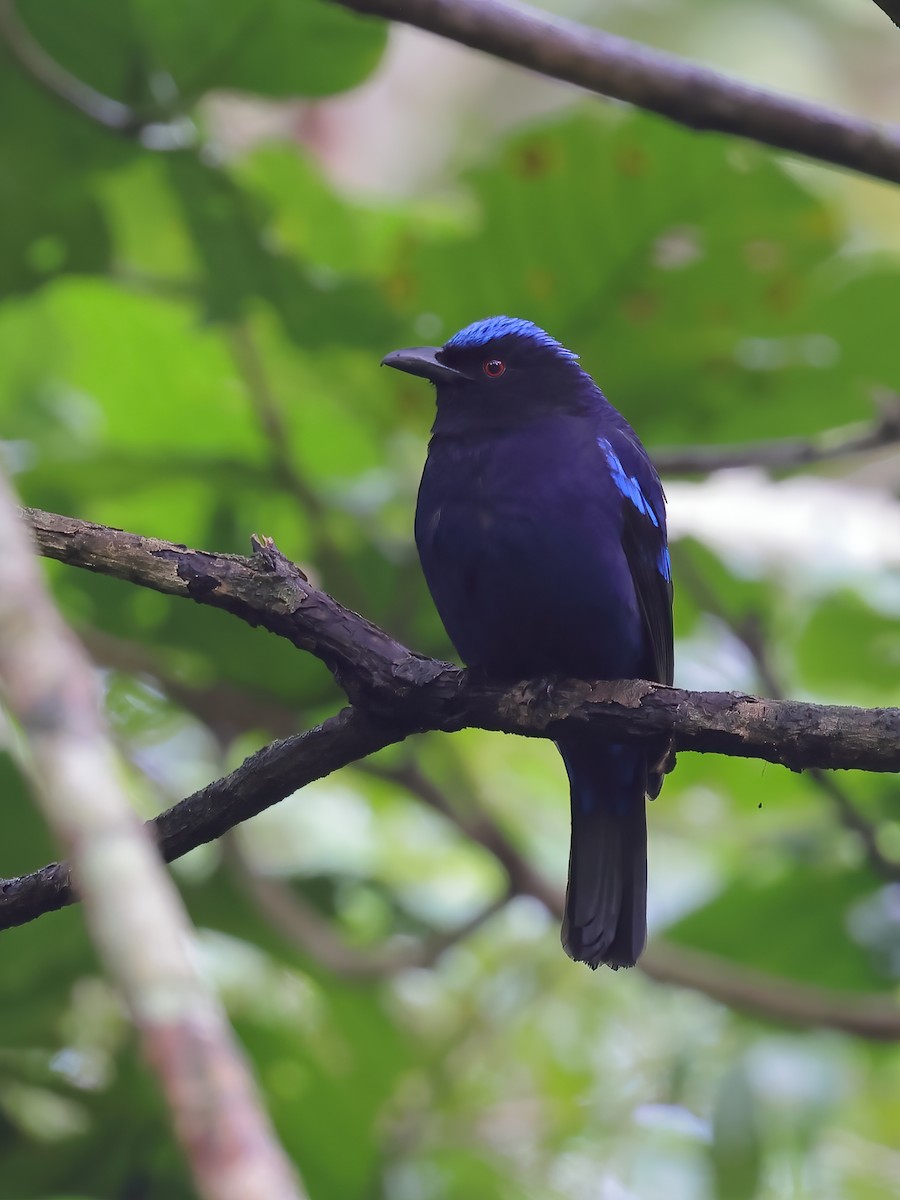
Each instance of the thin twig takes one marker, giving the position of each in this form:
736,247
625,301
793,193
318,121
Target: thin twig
851,818
478,827
679,90
782,453
226,710
132,909
269,413
748,630
311,933
175,133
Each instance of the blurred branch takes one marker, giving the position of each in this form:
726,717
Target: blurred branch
748,630
174,133
477,826
774,999
265,404
681,91
407,693
779,453
270,416
226,710
312,934
851,818
132,909
891,8
749,991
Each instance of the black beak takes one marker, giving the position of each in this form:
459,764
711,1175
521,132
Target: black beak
422,360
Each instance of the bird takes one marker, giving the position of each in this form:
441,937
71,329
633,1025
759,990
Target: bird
541,531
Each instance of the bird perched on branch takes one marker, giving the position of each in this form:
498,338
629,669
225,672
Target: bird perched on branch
541,528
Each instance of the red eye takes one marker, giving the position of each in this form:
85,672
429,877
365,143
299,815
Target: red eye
493,368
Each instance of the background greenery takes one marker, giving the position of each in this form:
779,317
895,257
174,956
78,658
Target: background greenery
189,348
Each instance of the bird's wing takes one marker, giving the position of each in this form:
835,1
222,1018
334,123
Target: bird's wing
644,542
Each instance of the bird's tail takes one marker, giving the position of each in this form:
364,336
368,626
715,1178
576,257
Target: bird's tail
606,899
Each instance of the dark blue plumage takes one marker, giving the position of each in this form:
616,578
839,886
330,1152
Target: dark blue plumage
541,528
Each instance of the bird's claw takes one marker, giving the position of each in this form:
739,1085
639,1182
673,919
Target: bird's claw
539,691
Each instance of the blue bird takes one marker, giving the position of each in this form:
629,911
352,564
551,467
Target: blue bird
541,528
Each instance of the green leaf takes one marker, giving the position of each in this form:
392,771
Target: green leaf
145,52
680,268
227,226
792,922
52,222
273,47
850,651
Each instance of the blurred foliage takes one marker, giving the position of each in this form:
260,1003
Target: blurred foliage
189,348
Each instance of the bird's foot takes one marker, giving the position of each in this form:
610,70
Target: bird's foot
540,691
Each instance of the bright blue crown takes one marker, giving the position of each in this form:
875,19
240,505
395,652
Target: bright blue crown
479,333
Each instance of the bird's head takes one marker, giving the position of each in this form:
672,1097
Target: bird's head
499,370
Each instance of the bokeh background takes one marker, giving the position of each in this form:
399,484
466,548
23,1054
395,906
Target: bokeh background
191,321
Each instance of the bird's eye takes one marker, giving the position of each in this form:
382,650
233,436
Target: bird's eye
493,368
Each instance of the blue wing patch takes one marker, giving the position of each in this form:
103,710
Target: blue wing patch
630,488
644,544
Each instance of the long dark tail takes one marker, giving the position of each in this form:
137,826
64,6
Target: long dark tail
606,900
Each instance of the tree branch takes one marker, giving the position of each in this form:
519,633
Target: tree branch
284,767
681,91
263,779
891,8
406,693
132,908
781,453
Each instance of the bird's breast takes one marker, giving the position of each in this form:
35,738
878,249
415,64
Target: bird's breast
525,566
